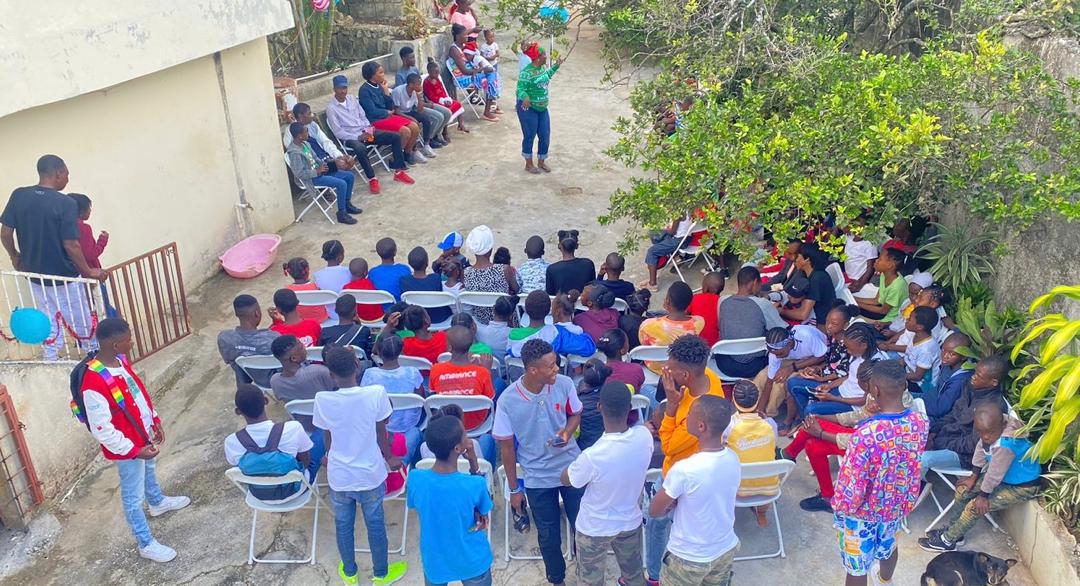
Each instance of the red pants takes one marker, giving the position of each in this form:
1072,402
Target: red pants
818,452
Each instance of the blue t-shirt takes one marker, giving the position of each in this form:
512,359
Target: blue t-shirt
403,380
450,552
388,278
431,282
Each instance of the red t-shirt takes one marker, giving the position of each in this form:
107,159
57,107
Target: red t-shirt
451,379
704,306
307,331
368,312
430,348
312,312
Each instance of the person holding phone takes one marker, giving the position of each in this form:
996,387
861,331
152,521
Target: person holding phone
541,411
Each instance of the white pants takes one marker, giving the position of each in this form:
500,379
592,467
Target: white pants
71,300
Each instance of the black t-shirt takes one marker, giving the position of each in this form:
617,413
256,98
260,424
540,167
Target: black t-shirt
431,282
622,289
347,335
570,274
43,219
823,293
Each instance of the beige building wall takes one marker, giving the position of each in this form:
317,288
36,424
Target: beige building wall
166,157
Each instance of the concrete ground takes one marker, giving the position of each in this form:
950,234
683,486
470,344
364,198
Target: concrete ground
478,179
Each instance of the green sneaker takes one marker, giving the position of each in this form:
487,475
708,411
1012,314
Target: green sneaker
394,572
348,580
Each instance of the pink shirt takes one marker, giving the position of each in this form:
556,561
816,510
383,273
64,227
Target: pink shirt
465,19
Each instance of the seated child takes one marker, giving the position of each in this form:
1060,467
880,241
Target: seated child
287,320
473,56
453,510
610,276
753,438
348,331
599,316
797,291
464,375
298,269
400,380
387,276
435,92
931,296
421,280
299,380
502,257
472,451
334,275
452,273
922,355
615,344
420,341
260,433
450,246
1003,475
593,376
533,271
630,323
496,333
951,378
704,305
565,337
358,267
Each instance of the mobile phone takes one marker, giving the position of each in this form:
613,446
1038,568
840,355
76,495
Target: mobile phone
557,442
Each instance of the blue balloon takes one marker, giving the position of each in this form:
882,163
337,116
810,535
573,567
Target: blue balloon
30,326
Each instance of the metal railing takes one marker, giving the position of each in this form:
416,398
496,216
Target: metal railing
148,291
73,306
21,490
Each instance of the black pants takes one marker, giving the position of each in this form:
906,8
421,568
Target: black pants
391,139
729,366
544,503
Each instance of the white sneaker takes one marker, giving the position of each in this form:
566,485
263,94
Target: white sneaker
169,503
428,152
157,552
419,156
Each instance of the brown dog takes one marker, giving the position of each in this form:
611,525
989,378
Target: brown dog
966,568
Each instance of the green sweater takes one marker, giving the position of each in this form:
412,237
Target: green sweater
533,84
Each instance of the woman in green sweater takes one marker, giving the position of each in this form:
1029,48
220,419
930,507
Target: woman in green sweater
532,107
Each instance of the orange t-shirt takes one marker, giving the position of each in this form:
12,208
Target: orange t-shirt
313,312
430,348
369,311
473,379
704,306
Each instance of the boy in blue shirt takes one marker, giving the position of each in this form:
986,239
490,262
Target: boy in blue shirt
453,510
387,276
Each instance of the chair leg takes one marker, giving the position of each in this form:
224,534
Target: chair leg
251,544
779,531
506,530
315,528
779,536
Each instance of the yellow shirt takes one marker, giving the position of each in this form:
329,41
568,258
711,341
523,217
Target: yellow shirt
675,441
754,440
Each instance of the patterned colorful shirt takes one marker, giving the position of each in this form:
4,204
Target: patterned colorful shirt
879,478
533,84
533,275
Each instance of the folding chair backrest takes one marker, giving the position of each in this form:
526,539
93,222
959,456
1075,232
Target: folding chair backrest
621,306
740,347
316,297
479,298
650,353
468,404
314,354
501,474
444,357
842,292
296,179
836,275
641,404
430,299
403,401
919,406
780,468
260,363
686,237
300,407
462,466
242,481
370,297
415,362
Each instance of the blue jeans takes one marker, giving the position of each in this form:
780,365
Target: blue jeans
939,459
138,479
827,407
534,124
318,450
487,447
481,580
799,389
657,531
342,182
371,503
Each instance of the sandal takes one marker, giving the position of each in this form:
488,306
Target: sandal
490,117
645,285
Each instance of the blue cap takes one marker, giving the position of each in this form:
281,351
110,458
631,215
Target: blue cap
341,81
451,240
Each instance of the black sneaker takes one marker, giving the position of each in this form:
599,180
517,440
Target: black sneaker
353,209
935,541
815,504
345,218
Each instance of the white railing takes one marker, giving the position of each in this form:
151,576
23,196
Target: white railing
73,305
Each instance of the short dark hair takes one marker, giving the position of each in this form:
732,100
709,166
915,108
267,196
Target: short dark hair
680,295
49,164
997,365
389,346
111,327
442,435
300,108
82,202
285,300
282,345
504,306
595,372
295,129
244,303
340,361
689,349
747,275
890,375
345,306
501,256
615,262
534,247
638,302
615,399
811,252
405,51
412,78
386,248
249,400
418,258
533,350
459,338
537,305
414,318
715,411
745,394
369,69
464,320
926,317
896,255
611,342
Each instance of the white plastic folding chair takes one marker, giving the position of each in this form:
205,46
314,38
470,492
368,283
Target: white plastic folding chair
740,347
468,404
314,354
321,196
407,401
317,298
688,252
837,276
296,502
651,354
463,467
371,297
416,362
375,154
641,404
508,554
432,300
470,299
396,496
260,364
780,469
842,292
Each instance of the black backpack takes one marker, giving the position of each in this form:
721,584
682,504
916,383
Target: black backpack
75,379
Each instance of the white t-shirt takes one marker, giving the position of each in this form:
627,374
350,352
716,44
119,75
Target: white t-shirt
925,354
294,440
899,324
611,470
355,461
850,389
809,341
858,253
683,228
704,521
403,98
488,51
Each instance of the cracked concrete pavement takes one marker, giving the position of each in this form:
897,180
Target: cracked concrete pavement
478,179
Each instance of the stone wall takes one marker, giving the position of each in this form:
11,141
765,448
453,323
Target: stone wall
375,9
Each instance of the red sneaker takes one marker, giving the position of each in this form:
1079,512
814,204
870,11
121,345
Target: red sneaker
374,185
403,177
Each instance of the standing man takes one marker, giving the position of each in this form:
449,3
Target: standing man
350,125
44,221
325,149
541,411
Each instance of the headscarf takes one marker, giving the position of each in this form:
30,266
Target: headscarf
480,240
923,280
533,51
